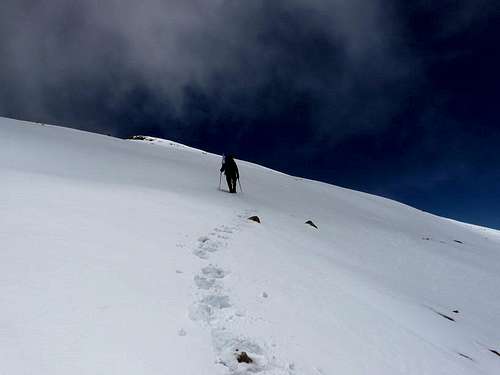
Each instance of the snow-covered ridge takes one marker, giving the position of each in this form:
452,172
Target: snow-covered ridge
168,143
120,258
163,142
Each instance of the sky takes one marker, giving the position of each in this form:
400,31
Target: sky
392,97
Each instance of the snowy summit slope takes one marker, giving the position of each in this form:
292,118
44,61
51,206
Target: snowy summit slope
123,257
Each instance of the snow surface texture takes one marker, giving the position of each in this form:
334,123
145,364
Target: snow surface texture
123,257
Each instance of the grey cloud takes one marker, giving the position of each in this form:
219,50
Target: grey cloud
219,46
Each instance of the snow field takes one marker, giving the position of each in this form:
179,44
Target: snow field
123,257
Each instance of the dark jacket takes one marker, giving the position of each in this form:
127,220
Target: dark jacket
230,168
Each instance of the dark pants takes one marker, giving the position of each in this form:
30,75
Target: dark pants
231,183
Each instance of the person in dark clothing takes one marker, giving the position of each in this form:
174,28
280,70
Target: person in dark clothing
230,169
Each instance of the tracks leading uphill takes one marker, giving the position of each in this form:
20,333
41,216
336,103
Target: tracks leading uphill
213,306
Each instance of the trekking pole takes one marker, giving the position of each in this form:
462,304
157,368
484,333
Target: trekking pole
239,183
220,179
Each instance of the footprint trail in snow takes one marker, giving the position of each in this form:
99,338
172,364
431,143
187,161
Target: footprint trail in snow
214,308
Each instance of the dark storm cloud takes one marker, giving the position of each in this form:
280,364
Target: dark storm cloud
239,54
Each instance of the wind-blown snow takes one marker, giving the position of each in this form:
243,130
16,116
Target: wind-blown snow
122,257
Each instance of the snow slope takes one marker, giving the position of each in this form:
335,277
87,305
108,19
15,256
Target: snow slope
123,257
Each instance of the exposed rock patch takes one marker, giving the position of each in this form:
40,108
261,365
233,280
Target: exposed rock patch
309,222
495,352
243,358
141,138
465,356
445,316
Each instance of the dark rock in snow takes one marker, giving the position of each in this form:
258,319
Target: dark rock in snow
441,314
445,316
140,138
456,311
309,222
243,358
457,241
254,218
465,356
495,352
